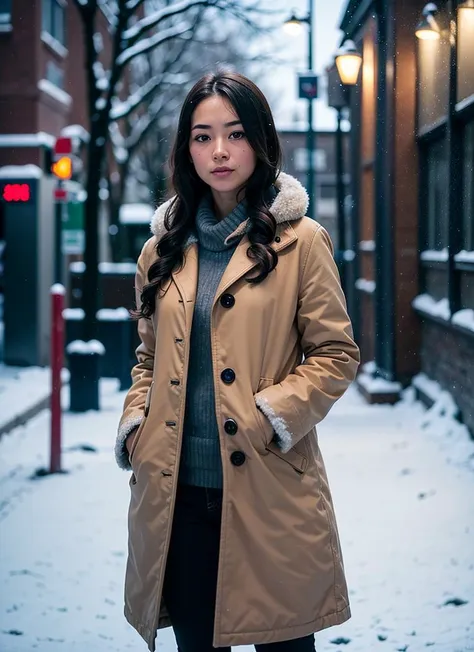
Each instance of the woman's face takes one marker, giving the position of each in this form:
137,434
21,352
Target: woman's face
219,149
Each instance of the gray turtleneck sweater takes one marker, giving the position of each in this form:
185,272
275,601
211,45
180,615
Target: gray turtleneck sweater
201,463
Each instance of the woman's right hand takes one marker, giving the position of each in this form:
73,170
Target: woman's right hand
130,439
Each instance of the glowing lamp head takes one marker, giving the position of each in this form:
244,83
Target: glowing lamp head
293,25
348,62
428,29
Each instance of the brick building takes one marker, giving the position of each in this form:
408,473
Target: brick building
43,95
412,143
43,84
42,78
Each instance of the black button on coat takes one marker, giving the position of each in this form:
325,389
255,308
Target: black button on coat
227,301
228,376
231,427
237,458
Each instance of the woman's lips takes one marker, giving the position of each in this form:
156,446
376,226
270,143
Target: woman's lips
222,173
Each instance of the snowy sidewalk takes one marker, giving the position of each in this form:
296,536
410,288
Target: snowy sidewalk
404,498
24,391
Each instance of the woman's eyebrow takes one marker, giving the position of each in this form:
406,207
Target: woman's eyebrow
226,124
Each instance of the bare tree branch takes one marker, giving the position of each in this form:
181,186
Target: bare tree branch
143,26
169,75
145,45
132,5
86,7
109,11
243,12
124,109
144,124
116,70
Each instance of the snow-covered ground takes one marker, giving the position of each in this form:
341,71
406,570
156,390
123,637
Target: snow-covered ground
23,390
403,485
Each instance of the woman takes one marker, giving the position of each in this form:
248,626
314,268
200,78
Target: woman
245,346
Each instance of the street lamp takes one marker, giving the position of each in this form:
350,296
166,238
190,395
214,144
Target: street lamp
428,28
348,62
293,25
307,90
341,75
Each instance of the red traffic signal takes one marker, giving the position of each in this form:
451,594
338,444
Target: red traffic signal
63,146
60,195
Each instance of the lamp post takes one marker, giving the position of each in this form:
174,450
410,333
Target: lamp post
337,99
308,89
343,74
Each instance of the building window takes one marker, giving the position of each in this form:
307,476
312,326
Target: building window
301,160
53,21
436,210
468,188
433,82
55,74
5,14
328,191
465,78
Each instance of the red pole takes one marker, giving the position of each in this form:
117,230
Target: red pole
57,352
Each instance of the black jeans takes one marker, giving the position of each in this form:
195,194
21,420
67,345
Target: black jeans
190,582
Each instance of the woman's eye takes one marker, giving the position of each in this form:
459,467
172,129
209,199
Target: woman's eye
200,138
237,135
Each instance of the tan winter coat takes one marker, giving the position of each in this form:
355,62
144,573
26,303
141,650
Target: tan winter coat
289,342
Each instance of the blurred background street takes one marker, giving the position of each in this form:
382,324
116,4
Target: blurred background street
402,480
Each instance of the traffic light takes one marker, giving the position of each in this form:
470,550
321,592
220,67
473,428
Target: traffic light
47,160
62,157
62,168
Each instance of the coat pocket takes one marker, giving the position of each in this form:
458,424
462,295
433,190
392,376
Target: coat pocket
293,458
264,424
263,383
142,424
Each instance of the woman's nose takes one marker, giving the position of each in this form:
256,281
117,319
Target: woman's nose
220,151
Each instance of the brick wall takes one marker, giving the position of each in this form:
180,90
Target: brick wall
19,55
25,56
448,357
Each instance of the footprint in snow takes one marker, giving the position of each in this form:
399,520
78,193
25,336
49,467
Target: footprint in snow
455,602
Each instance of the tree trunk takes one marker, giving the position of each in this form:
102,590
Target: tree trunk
90,286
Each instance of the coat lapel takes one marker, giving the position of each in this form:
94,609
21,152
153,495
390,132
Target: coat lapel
186,280
240,264
290,204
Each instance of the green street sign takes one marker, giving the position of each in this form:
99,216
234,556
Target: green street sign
73,236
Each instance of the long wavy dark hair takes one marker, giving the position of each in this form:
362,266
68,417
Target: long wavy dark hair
253,110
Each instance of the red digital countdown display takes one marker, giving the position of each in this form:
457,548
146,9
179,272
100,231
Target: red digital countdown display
16,192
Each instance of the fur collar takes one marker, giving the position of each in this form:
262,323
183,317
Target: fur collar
290,204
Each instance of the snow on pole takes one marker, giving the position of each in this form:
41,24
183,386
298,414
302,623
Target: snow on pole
57,351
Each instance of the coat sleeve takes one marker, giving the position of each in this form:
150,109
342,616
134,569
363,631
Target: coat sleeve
331,357
142,372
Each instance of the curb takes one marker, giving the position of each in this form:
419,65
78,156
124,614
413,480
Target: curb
24,417
30,412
